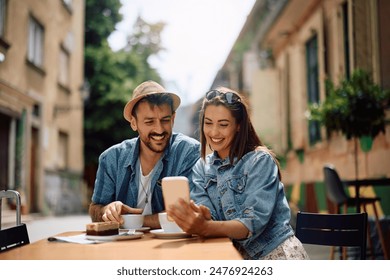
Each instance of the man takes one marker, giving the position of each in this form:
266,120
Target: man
128,178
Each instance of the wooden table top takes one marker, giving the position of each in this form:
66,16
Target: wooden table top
146,248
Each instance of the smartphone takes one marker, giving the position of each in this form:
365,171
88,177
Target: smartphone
175,187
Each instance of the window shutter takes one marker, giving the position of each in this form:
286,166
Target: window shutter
362,37
384,42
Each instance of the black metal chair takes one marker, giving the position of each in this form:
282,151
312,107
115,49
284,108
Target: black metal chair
335,191
344,230
14,236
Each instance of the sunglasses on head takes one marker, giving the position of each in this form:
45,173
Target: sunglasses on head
230,97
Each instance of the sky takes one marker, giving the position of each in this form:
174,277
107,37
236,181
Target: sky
197,39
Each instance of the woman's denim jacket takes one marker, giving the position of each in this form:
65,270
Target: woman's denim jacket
248,191
117,176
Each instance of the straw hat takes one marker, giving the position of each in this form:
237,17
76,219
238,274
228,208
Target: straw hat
144,89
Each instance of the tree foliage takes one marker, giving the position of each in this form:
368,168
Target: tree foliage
146,39
100,20
356,107
113,75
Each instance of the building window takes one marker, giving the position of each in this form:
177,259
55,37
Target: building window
36,110
63,151
63,74
3,9
35,43
313,85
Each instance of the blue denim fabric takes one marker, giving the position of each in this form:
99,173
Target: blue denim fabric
248,191
117,175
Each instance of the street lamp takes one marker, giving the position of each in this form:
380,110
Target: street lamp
85,90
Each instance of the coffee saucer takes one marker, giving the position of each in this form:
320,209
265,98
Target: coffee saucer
117,237
142,229
159,233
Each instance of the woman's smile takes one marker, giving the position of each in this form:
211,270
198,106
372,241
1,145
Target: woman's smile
216,140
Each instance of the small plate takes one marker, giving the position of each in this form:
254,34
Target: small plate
143,229
159,233
117,237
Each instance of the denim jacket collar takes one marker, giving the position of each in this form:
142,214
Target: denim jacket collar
214,159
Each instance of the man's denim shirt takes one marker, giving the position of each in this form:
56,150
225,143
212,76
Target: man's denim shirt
117,176
248,191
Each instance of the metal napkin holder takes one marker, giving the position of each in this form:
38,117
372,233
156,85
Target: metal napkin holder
14,236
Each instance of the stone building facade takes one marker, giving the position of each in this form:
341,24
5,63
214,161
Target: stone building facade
42,90
280,61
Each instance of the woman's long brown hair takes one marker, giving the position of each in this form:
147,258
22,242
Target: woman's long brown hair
246,139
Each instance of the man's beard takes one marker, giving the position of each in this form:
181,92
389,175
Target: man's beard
157,148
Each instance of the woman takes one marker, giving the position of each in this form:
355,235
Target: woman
237,188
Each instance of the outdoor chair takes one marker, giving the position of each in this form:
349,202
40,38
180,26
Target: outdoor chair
14,236
344,230
335,191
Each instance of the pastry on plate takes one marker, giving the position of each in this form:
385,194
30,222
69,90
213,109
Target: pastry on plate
103,228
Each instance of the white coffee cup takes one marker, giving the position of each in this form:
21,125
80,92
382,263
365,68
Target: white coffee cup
166,225
132,221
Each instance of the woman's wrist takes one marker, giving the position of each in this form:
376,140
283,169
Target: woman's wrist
207,229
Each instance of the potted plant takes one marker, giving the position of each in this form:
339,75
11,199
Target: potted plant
356,108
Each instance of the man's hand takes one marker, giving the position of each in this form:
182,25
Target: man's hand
114,210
